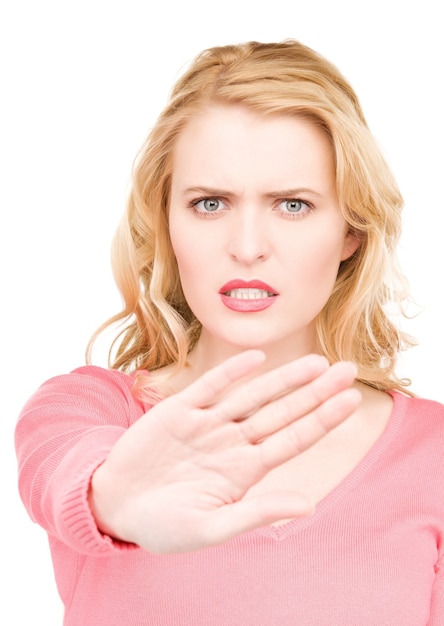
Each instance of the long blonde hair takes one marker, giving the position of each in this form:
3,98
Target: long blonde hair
284,78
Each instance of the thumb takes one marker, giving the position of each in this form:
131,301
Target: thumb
250,513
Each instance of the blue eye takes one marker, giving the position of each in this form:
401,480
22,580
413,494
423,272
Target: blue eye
210,204
206,206
295,206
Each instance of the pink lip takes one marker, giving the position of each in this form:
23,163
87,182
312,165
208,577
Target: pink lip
245,284
243,305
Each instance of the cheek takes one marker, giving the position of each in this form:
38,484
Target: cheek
190,254
317,256
179,242
315,269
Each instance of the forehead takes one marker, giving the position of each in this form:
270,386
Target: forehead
222,144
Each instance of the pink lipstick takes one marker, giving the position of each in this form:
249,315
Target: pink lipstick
247,296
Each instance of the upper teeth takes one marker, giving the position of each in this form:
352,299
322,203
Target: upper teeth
249,294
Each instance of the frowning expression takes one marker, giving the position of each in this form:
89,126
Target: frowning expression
255,225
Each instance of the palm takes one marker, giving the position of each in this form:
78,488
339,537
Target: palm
183,470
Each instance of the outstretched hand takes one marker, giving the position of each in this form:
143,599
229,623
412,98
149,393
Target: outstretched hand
177,480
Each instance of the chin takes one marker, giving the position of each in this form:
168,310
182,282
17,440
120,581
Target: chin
256,341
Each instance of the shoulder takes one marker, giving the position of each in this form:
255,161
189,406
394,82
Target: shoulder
89,379
419,407
88,390
422,417
95,375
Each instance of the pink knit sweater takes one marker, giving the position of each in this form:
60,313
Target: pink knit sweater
371,554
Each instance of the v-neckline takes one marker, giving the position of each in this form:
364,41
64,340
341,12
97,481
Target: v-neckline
384,441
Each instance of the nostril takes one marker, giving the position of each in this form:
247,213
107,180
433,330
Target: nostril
248,250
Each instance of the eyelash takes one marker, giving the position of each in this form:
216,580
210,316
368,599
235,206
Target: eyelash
205,214
297,215
193,205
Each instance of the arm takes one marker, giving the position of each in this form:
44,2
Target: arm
175,478
64,433
437,600
178,479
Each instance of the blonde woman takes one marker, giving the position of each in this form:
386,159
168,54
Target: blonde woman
250,457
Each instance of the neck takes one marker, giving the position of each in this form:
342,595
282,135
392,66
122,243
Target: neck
209,352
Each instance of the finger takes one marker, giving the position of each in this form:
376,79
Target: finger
303,433
294,405
250,513
205,390
252,395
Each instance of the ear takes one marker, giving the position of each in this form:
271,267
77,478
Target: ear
351,243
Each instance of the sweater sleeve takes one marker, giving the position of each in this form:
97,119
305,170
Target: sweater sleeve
437,600
64,432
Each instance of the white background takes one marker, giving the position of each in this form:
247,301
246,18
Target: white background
81,84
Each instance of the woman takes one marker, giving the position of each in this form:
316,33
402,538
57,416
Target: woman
250,456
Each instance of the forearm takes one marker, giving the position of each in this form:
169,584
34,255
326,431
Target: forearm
64,433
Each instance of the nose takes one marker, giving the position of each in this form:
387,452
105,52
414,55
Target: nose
249,238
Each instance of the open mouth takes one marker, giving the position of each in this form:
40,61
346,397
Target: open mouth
247,296
246,293
247,289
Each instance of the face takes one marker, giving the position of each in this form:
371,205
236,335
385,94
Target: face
255,227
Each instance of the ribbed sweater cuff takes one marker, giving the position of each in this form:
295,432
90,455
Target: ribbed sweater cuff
77,524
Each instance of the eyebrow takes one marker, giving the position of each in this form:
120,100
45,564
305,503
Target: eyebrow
281,193
208,191
292,193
